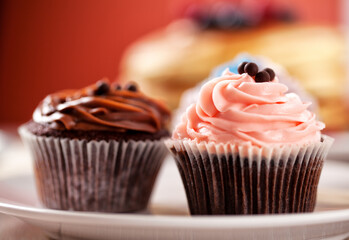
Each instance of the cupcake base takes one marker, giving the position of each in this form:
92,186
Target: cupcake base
228,179
103,176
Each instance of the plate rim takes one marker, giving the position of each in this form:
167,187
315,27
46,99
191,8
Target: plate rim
127,219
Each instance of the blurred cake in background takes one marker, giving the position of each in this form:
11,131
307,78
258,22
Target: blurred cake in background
167,62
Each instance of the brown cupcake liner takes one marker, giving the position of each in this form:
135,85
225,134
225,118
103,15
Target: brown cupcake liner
102,176
235,179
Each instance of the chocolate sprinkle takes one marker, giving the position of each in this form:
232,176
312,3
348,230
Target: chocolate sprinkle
251,69
102,88
241,68
131,87
117,86
270,72
262,76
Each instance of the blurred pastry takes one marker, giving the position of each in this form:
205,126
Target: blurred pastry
170,60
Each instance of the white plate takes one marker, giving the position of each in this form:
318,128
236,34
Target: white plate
168,215
339,150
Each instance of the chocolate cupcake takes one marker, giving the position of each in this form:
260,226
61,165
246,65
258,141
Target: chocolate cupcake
97,149
248,147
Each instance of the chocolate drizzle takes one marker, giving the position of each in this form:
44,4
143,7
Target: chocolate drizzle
101,107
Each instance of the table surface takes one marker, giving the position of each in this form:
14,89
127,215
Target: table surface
14,229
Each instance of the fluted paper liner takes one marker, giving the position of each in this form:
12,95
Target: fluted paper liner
103,176
245,179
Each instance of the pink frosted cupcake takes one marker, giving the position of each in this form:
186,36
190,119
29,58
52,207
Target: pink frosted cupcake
249,147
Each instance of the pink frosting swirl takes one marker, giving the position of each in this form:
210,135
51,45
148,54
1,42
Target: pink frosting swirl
235,109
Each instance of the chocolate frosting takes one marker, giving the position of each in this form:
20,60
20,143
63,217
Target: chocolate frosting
102,107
